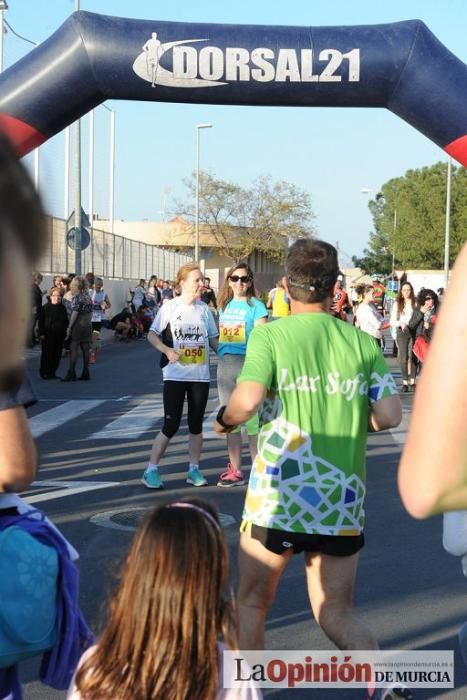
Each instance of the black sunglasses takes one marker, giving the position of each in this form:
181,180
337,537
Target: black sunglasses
240,278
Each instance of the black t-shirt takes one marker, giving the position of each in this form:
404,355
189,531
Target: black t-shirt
208,296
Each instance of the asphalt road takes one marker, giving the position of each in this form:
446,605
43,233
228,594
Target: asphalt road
94,440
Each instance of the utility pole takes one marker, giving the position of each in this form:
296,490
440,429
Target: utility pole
77,159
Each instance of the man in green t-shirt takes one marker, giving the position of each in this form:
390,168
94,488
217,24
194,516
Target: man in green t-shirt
320,385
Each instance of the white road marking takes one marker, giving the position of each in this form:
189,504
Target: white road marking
133,423
66,488
55,417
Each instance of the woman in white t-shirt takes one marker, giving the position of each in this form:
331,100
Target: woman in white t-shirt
168,615
367,318
183,331
401,314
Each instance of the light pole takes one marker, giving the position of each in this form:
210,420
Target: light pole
3,7
111,168
198,128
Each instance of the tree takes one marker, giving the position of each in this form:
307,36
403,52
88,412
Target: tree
409,220
265,216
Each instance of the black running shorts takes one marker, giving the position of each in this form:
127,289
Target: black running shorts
279,541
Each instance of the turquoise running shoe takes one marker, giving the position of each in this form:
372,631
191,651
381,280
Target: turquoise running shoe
195,478
152,480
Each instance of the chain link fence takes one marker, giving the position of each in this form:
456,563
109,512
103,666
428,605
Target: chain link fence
109,256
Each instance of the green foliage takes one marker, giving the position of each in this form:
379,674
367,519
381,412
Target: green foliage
265,217
409,217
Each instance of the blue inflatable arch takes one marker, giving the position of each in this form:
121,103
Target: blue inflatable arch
91,58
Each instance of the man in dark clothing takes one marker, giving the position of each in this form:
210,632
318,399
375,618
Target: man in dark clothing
53,324
36,293
207,293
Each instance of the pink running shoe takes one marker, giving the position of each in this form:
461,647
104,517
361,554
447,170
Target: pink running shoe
231,477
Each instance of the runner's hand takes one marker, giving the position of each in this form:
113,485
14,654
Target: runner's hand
172,355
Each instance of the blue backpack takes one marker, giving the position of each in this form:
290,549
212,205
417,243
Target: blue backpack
28,596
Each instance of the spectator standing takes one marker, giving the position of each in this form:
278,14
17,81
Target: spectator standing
53,326
67,296
153,295
79,328
340,301
307,487
207,293
37,294
239,312
401,314
278,301
423,322
379,295
167,292
367,318
100,304
183,331
139,295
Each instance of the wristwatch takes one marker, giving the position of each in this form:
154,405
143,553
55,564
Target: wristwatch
220,420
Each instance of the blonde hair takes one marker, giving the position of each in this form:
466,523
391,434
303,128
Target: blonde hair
183,273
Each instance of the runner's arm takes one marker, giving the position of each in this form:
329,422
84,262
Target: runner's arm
433,468
385,413
244,402
18,456
171,354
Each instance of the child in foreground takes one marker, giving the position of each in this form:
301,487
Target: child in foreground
168,616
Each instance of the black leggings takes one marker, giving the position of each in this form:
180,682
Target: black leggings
405,344
174,397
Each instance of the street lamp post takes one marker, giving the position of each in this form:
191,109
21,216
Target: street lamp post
198,128
3,7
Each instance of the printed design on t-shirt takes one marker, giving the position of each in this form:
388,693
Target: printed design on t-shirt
292,488
188,333
380,385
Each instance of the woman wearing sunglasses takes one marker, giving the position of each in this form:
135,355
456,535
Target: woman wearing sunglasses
239,312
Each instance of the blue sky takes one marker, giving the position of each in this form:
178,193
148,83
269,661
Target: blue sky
331,153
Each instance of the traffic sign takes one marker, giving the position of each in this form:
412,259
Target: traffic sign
76,242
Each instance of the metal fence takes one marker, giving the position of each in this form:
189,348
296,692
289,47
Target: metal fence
108,255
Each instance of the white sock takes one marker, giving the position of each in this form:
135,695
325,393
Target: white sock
152,467
192,466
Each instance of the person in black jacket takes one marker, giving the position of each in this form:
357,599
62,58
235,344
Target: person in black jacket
53,325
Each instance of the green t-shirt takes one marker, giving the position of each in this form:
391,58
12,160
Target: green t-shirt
321,375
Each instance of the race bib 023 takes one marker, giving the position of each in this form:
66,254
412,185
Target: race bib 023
234,333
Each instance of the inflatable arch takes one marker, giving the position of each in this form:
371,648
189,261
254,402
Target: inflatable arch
92,58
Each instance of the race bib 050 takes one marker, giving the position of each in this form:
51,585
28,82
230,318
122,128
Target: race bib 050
191,354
